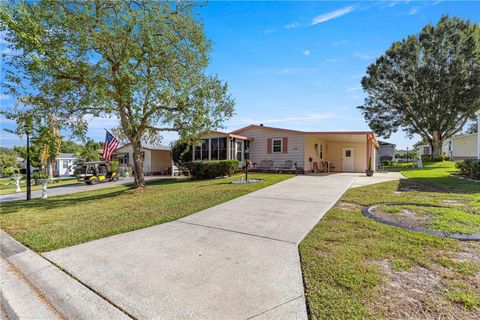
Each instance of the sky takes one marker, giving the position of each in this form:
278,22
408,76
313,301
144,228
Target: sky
298,65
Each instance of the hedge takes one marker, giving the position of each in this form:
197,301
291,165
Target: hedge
469,168
211,169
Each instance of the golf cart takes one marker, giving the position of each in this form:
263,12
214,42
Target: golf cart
94,172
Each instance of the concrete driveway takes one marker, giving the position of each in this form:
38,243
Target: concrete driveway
238,260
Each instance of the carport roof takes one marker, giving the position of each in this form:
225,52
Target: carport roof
150,147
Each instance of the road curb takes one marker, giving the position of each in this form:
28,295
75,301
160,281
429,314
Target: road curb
57,289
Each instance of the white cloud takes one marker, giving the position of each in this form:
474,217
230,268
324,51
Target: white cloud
352,89
268,31
333,61
340,43
413,11
363,56
307,52
292,25
5,97
332,15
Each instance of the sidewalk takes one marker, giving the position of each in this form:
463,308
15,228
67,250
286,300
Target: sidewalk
81,187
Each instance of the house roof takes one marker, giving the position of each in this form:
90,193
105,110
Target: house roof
311,132
150,147
67,156
227,134
386,143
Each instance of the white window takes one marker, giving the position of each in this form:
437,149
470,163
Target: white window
277,145
426,150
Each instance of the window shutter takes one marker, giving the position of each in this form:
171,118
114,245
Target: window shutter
269,145
285,145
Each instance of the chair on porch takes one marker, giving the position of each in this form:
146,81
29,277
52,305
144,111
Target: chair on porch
265,165
315,168
287,167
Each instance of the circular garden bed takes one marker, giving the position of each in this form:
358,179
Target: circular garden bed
443,221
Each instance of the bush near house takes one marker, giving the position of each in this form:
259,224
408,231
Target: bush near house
211,169
469,168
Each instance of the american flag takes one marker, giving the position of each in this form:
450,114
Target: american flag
110,146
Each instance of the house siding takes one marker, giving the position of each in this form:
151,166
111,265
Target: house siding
259,146
464,147
160,160
334,154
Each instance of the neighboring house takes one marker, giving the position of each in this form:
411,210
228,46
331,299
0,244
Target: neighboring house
462,147
478,134
404,155
64,164
424,149
157,159
386,151
346,151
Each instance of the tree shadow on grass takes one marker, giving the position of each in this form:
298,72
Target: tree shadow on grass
447,184
62,201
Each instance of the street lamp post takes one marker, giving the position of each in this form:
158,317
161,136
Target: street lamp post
29,188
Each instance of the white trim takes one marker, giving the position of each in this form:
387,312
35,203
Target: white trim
273,145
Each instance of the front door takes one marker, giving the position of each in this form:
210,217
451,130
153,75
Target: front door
348,160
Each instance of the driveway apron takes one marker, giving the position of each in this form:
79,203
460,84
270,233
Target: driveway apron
237,260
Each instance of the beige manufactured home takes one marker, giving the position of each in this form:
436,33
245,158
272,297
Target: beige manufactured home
348,151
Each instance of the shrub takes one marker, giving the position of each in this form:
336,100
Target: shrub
211,169
426,157
114,166
469,168
442,158
387,163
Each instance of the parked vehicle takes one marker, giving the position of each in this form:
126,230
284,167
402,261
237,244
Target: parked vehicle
93,172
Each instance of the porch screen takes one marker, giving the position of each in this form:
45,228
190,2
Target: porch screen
205,147
214,145
247,150
222,149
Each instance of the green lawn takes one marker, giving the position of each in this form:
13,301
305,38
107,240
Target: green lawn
71,219
7,185
356,268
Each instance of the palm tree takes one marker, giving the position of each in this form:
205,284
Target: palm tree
88,152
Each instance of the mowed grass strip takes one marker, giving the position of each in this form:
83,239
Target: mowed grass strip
63,221
356,268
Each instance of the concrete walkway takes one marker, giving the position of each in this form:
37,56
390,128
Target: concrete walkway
80,187
238,260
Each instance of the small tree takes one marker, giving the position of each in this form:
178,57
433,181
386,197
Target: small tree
427,84
181,153
143,62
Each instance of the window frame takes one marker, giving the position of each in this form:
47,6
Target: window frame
273,145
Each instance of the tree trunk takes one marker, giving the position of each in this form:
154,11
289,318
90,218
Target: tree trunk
138,156
437,144
50,168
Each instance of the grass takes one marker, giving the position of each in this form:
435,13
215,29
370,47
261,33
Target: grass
63,221
356,268
7,185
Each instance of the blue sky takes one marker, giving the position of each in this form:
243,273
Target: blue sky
297,64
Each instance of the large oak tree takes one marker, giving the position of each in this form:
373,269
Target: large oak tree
141,61
426,84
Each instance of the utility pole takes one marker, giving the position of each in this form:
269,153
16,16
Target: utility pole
29,187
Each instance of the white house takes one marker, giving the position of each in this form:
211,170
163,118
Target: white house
386,151
157,159
462,147
64,164
424,149
478,134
